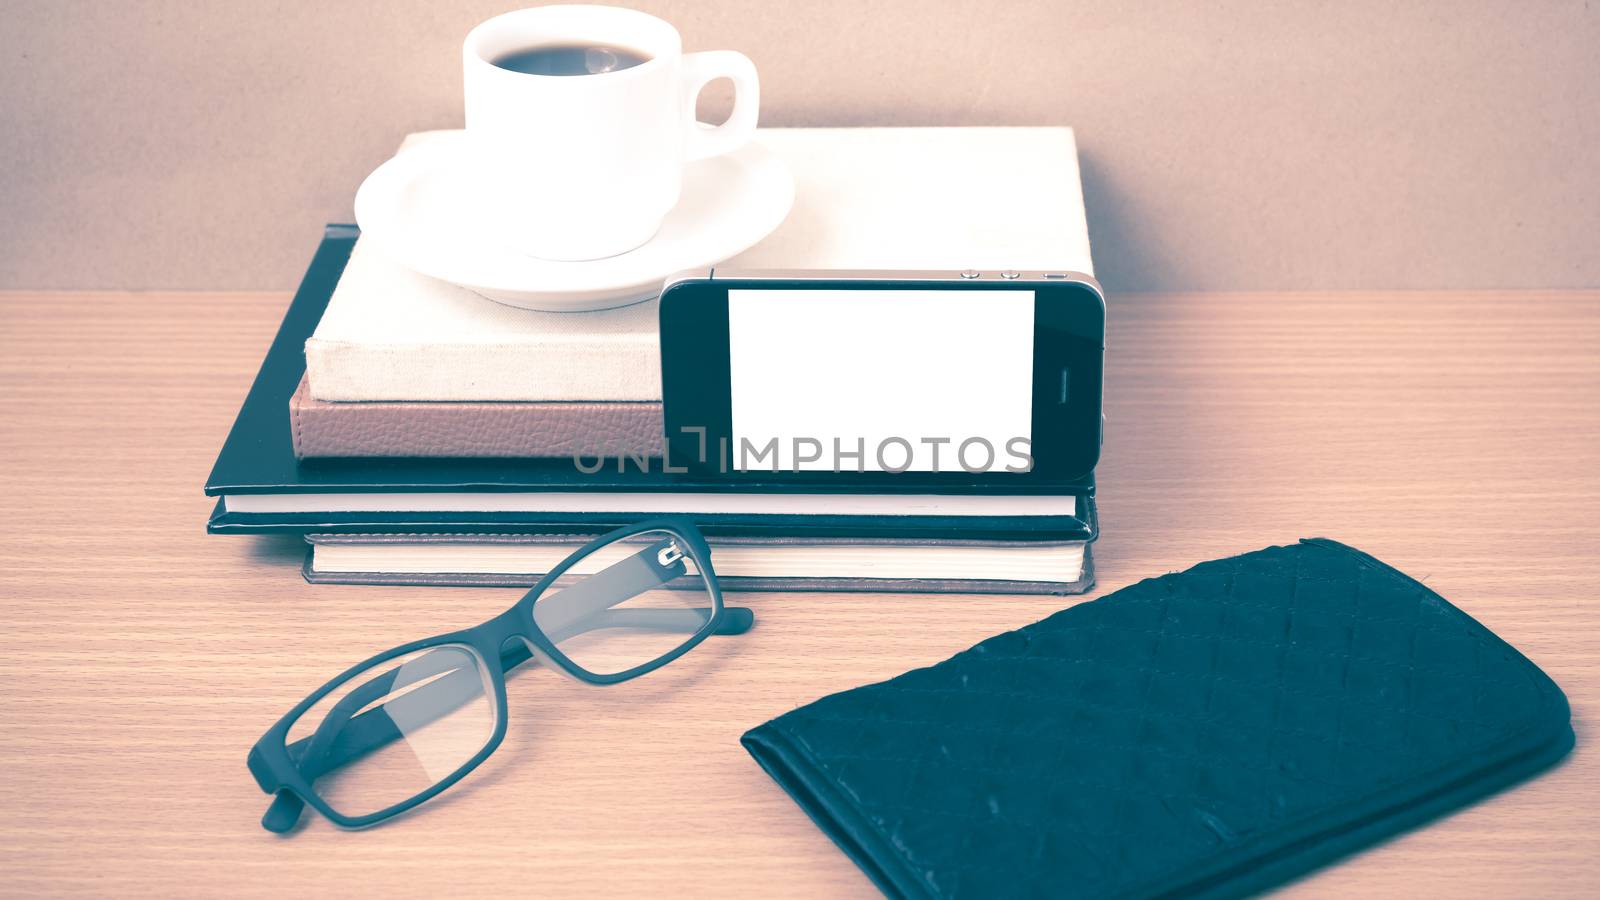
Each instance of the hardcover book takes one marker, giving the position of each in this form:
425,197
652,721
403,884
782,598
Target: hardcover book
262,486
743,562
866,198
552,429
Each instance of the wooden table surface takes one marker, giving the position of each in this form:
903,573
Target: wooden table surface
1456,436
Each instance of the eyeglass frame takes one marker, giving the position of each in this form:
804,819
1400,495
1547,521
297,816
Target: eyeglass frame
278,775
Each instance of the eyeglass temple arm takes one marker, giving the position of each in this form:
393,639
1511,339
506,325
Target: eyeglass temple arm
344,737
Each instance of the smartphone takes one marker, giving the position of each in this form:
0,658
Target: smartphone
915,379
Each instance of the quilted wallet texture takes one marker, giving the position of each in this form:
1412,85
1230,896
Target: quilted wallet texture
1211,732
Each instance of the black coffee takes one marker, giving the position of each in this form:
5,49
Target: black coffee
570,59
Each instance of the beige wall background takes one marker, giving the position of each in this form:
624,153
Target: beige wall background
1231,144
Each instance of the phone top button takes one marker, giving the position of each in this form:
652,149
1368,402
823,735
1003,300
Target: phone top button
1011,273
969,273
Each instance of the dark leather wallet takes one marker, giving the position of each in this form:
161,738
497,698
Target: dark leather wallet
1212,732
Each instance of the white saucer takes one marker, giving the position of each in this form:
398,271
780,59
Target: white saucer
419,210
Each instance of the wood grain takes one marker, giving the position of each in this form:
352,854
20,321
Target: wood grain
1456,436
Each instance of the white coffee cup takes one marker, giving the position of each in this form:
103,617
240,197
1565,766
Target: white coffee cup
575,167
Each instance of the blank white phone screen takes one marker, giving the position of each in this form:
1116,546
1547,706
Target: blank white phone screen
880,380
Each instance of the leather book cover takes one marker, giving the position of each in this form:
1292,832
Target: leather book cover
498,429
1084,525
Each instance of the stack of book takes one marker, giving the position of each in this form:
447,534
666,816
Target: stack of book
414,432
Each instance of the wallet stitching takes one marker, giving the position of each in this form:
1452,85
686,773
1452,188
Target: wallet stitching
1110,745
1477,679
878,824
1460,624
1043,661
1480,638
876,820
914,867
1451,632
1120,816
1526,669
299,437
1195,719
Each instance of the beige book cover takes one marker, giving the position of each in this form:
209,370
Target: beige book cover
744,563
865,198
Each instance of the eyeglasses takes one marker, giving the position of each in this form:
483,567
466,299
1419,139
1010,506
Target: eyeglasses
398,729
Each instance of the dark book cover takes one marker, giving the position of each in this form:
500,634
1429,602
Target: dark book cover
258,458
1084,526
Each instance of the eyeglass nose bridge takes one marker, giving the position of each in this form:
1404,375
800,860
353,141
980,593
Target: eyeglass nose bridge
521,646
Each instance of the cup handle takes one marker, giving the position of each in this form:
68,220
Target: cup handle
700,69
